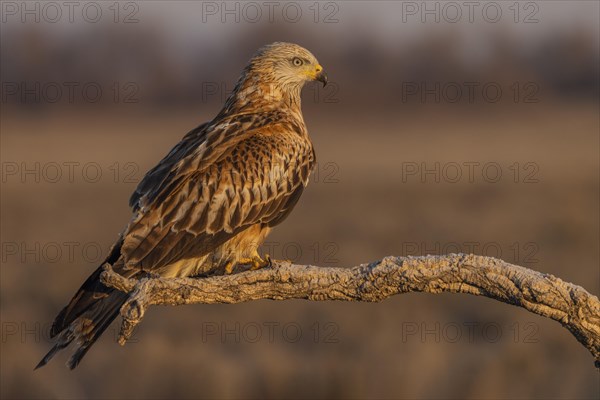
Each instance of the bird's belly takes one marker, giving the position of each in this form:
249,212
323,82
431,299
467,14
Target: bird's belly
243,245
186,267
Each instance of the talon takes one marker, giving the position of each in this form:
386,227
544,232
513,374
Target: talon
258,263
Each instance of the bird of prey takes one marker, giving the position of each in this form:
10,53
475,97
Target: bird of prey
211,201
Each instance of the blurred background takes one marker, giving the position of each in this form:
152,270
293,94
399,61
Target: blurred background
447,127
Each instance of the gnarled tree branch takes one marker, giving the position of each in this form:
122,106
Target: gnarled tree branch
543,294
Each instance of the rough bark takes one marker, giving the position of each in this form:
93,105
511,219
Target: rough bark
543,294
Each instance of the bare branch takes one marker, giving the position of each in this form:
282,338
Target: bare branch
543,294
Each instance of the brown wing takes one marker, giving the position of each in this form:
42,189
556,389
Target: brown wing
155,178
236,177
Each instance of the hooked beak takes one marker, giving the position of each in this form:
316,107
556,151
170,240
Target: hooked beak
322,77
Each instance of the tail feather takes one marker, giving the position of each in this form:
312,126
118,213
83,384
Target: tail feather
100,322
86,329
86,297
87,315
60,344
88,294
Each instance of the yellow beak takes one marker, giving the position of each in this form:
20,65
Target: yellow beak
320,75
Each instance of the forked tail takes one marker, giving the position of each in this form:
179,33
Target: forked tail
87,315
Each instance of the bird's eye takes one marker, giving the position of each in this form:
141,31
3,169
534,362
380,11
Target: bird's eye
297,61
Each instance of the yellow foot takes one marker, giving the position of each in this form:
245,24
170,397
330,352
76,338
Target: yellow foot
255,262
258,263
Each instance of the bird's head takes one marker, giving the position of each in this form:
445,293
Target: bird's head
287,64
274,78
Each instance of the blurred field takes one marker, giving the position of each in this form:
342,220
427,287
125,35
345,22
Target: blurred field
393,178
367,214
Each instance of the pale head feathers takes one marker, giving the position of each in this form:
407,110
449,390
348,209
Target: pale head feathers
273,78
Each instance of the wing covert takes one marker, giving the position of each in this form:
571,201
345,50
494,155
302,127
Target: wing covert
223,187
